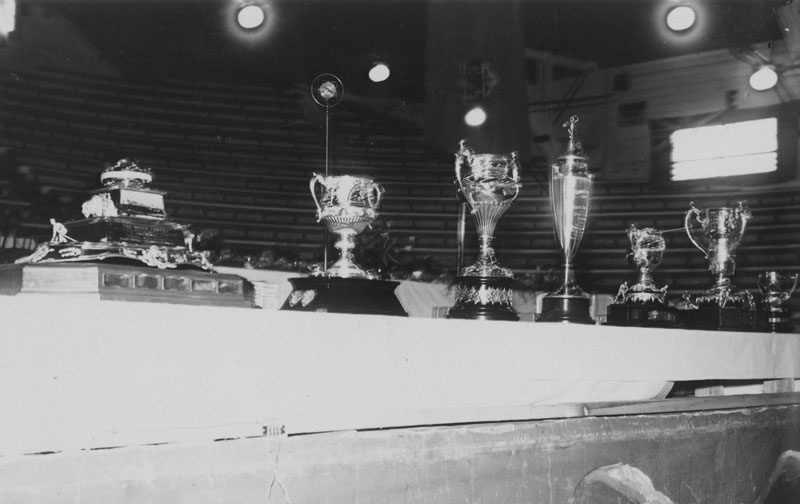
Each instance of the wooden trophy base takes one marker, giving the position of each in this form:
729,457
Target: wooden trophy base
344,295
571,309
641,315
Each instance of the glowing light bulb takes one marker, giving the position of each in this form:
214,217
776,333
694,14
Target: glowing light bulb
475,117
764,78
379,73
250,17
681,18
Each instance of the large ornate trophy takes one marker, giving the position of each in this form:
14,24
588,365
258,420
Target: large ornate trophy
488,184
776,288
570,191
125,248
722,306
644,303
347,204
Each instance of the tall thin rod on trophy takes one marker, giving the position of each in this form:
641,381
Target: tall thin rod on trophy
327,91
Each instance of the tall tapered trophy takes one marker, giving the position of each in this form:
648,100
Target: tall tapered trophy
487,184
570,192
347,204
643,303
722,306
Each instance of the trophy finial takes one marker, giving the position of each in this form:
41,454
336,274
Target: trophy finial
574,146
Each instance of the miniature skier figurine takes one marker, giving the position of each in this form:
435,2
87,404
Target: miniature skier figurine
59,232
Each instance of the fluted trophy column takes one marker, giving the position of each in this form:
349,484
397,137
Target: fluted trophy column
488,184
570,193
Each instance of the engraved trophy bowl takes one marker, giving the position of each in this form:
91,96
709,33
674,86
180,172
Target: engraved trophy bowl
776,288
646,253
488,189
347,204
570,192
723,228
488,184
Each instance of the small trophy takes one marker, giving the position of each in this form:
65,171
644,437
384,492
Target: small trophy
484,289
348,204
776,289
722,306
643,303
570,190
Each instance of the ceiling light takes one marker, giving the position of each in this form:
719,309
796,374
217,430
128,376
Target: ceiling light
475,117
379,72
765,77
250,16
681,18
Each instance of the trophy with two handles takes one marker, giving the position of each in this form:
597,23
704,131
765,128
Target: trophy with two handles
723,306
488,184
347,204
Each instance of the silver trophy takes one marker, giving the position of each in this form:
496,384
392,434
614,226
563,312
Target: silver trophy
570,191
347,204
723,228
647,250
776,288
487,184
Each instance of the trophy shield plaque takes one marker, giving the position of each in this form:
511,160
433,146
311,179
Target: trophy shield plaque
722,306
570,192
644,303
487,184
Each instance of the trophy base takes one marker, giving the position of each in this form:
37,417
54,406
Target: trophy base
343,295
776,321
117,282
571,309
641,315
715,318
483,298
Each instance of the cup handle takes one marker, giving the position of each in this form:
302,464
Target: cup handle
688,227
313,186
791,291
378,191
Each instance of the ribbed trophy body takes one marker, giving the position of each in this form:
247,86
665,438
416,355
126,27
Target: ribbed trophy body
347,204
488,184
570,195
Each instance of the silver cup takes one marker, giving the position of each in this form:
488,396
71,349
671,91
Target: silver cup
488,183
776,288
723,228
570,192
647,250
347,204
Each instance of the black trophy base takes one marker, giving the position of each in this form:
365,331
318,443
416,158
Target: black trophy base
776,321
641,315
344,295
714,318
571,309
483,298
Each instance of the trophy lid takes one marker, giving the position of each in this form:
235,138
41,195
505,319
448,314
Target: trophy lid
126,173
572,161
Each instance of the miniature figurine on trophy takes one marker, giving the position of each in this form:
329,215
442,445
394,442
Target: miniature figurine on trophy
570,191
644,303
487,184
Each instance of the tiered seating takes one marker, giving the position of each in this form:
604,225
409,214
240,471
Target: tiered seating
237,161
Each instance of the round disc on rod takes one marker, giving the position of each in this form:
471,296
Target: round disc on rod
327,90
